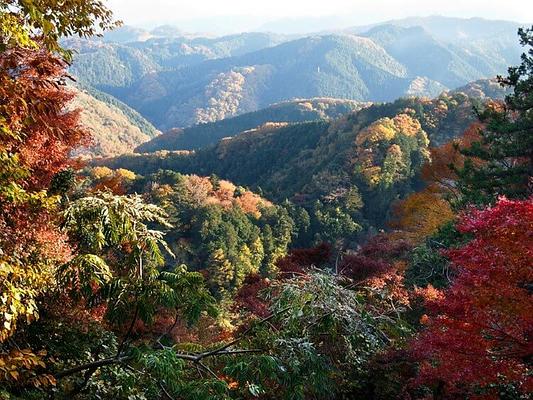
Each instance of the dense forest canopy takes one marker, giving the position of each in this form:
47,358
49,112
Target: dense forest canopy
376,252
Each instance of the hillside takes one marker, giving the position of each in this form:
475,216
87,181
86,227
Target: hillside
313,161
115,128
331,66
209,133
456,30
422,55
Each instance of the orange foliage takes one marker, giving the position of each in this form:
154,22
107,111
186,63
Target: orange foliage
438,173
420,215
116,181
33,102
202,191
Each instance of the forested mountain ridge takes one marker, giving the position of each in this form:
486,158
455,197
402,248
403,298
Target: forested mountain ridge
293,111
178,82
305,162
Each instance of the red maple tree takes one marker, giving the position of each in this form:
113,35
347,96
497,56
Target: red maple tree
478,336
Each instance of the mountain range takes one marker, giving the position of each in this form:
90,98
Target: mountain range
315,161
203,89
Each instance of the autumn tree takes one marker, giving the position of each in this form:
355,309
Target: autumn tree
37,135
476,341
420,215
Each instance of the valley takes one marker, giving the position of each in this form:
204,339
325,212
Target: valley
311,210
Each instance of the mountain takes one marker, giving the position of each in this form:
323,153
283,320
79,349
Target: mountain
324,66
115,128
379,149
466,48
178,82
117,62
459,30
422,55
290,111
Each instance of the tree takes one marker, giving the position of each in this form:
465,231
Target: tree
420,215
476,340
506,144
36,138
29,24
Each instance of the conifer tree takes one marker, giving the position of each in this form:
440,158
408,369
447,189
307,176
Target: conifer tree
506,145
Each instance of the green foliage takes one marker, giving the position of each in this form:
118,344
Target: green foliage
22,19
428,265
320,341
219,227
506,146
107,221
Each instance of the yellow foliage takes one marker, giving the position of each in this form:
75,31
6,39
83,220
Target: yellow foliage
21,367
125,174
420,215
19,287
377,145
101,172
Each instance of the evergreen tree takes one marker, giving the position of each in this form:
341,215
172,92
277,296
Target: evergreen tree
501,163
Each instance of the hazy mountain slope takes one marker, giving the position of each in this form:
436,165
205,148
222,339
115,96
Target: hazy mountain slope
291,111
177,82
329,66
424,56
449,29
476,45
115,128
453,30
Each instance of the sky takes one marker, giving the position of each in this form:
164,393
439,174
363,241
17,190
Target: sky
235,15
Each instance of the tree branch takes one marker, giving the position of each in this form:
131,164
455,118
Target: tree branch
94,364
195,358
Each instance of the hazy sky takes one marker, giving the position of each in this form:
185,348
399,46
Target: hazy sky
354,12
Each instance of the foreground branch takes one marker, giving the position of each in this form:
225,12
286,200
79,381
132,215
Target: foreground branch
193,357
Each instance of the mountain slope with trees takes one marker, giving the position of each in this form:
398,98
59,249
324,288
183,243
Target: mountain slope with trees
179,82
320,161
290,112
115,128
